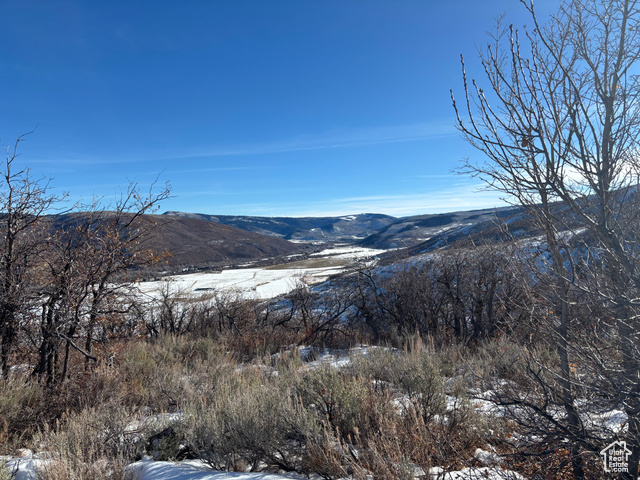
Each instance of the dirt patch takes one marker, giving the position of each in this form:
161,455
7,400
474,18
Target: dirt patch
326,262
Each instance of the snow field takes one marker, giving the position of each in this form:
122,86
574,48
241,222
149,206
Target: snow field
349,252
249,283
257,283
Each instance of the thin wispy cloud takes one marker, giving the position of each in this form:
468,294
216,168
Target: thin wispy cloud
333,139
339,138
467,197
226,192
213,170
450,175
404,205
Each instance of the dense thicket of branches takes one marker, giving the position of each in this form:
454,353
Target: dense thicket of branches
560,121
61,277
463,296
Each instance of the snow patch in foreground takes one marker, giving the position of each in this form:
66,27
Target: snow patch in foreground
25,467
194,470
148,469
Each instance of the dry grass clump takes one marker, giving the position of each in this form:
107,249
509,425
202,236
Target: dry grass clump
20,404
246,423
162,375
92,444
500,359
390,415
385,413
27,406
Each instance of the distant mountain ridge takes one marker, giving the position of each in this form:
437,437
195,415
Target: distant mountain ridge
200,241
367,229
344,228
409,232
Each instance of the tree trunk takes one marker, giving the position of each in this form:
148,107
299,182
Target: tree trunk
573,419
8,335
631,389
48,348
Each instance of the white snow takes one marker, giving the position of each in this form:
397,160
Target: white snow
194,470
24,467
348,252
151,470
486,457
148,469
611,422
257,283
250,283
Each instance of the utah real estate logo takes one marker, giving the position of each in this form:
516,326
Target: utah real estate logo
616,457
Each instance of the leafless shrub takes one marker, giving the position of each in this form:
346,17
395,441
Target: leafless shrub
93,444
165,373
245,424
19,407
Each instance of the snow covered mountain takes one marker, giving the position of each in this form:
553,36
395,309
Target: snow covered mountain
411,231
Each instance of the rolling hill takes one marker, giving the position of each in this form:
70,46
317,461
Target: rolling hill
348,228
367,230
194,243
409,232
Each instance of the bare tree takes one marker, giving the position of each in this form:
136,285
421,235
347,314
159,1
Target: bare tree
85,271
23,203
560,121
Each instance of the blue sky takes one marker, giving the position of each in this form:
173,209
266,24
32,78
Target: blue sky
263,107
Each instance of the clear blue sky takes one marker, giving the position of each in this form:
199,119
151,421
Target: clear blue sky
263,107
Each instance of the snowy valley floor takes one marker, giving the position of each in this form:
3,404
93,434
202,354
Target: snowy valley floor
264,282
